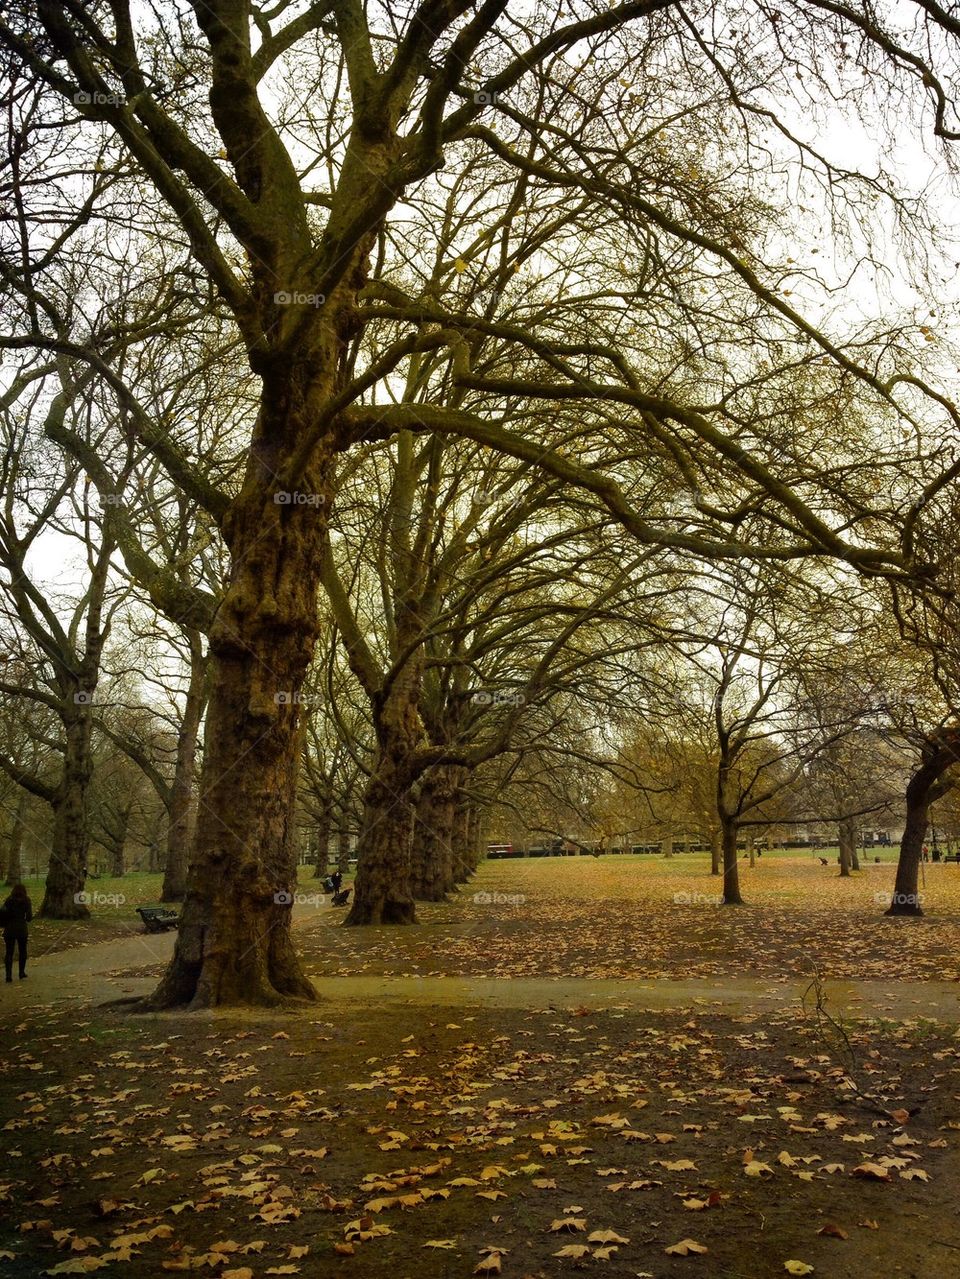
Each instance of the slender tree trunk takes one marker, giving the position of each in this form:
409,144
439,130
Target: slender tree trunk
119,844
854,849
921,790
731,867
925,786
846,840
67,870
716,852
324,826
234,941
474,836
15,842
462,864
343,848
181,811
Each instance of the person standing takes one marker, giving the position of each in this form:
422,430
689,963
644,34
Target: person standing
17,914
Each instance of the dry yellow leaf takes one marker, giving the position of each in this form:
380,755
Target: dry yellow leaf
605,1236
874,1172
685,1248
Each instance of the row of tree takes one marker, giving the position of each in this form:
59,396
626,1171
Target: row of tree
439,391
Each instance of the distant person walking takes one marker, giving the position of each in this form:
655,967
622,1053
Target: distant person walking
16,914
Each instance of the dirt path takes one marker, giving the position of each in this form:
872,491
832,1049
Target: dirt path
116,969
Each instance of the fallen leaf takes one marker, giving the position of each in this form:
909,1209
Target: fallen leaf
874,1172
685,1248
606,1236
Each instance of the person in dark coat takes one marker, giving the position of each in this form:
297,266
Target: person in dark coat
17,914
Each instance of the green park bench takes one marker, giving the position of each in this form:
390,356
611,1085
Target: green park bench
157,919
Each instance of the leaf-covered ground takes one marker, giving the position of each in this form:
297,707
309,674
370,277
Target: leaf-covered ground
359,1142
619,917
419,1142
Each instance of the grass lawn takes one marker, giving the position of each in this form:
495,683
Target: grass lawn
648,917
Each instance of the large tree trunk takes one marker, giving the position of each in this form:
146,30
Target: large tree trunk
382,889
381,892
15,842
925,786
64,893
731,867
432,850
181,811
234,941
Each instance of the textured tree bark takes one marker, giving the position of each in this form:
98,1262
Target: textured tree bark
67,870
15,842
234,941
180,816
432,850
382,891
